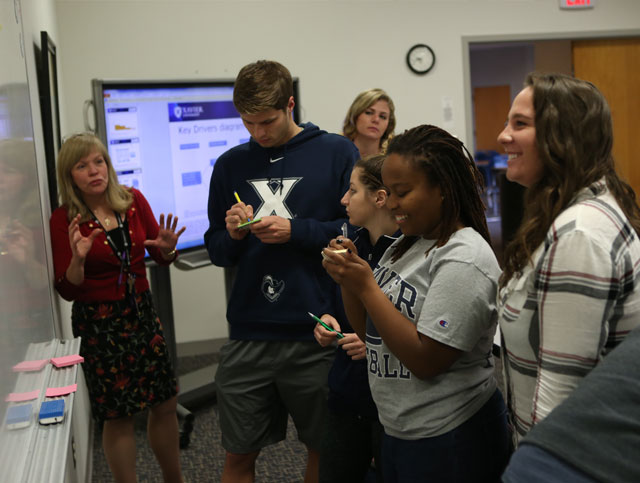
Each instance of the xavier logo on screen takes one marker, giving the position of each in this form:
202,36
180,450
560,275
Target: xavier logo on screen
192,111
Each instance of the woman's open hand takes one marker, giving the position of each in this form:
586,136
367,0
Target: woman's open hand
80,244
167,238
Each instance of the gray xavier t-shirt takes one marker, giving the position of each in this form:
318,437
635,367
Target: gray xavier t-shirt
450,295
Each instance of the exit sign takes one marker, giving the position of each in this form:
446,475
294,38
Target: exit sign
571,4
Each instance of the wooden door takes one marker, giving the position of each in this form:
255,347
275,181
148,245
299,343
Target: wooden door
613,65
490,108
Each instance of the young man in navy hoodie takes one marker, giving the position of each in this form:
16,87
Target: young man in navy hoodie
290,177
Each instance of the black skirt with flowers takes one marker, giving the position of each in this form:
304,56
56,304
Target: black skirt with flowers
126,360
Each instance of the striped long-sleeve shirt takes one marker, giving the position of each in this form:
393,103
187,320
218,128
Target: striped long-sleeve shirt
575,301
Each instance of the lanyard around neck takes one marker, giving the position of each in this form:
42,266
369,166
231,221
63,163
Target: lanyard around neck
125,255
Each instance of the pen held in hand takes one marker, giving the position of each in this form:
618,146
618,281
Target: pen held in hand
235,193
339,335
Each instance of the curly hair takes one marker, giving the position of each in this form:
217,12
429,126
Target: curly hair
574,138
447,164
361,103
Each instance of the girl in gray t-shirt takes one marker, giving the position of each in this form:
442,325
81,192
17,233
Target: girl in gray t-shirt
427,313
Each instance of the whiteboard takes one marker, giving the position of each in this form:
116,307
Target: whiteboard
26,307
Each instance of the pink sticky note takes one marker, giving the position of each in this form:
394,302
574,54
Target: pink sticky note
27,366
67,360
61,391
22,396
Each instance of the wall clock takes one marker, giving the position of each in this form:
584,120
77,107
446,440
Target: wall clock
421,59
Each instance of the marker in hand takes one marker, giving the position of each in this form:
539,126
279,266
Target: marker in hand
331,329
235,193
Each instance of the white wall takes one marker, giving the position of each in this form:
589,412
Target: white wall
336,47
199,304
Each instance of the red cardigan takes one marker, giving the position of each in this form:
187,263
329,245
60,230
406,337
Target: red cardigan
102,266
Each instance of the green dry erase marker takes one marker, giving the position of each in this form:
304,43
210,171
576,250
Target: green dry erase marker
338,334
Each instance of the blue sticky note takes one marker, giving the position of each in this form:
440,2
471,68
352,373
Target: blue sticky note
19,416
51,411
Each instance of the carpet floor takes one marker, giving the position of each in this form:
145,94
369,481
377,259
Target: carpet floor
202,461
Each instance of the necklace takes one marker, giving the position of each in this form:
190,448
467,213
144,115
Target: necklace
106,221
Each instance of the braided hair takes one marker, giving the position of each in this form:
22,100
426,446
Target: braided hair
447,164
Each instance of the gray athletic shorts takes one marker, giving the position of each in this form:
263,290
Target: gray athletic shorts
259,383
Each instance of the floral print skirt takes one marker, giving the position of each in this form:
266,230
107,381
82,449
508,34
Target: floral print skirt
126,360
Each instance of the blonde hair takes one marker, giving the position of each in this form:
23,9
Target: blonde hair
73,150
361,103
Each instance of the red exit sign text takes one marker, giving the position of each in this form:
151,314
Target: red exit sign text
577,3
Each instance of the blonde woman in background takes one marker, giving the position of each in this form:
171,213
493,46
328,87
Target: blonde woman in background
370,121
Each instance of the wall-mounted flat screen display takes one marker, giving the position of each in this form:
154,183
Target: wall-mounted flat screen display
164,139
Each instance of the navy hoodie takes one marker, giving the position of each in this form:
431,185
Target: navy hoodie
349,391
277,284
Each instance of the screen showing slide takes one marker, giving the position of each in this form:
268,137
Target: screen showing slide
165,141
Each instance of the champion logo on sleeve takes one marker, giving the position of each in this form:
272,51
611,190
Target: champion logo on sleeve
444,324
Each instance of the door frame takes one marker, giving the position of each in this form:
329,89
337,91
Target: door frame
468,40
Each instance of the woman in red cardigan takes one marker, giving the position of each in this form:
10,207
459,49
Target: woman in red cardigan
99,235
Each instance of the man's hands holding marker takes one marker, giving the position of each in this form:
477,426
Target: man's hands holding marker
272,229
248,221
236,216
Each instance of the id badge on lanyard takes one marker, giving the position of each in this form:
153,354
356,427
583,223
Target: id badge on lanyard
129,279
126,276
